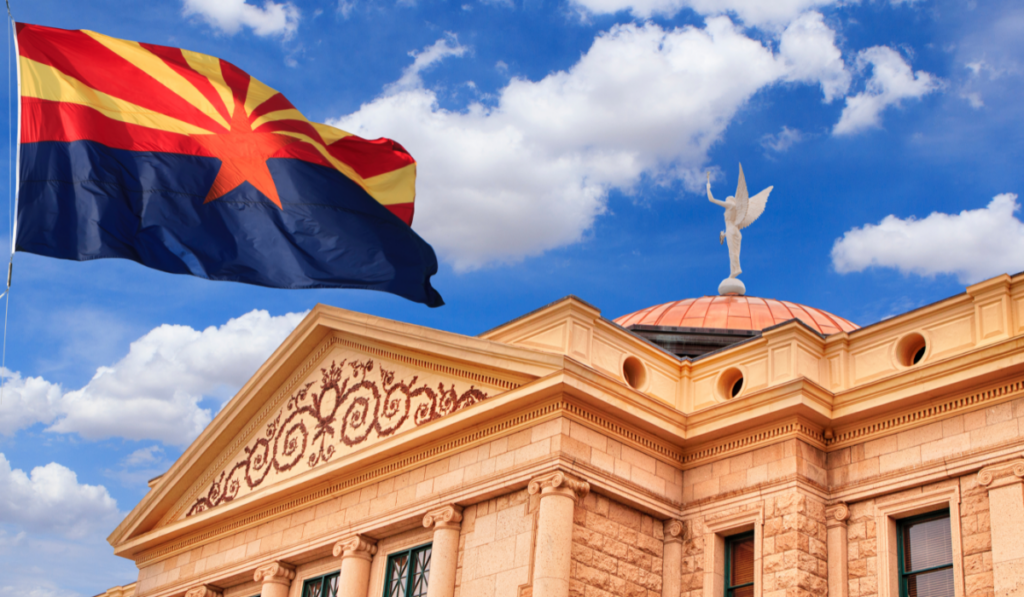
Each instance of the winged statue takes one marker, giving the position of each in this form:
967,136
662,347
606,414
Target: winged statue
741,211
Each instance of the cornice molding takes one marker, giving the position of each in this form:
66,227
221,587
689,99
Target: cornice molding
446,517
922,415
742,442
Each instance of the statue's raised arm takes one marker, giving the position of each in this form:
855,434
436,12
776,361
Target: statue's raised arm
711,197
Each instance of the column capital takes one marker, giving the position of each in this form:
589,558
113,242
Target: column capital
275,572
559,483
1004,473
445,517
356,546
675,531
204,591
837,515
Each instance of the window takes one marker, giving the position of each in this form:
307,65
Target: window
739,565
408,573
925,550
321,586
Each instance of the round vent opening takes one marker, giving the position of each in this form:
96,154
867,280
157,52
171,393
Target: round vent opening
911,349
635,373
730,383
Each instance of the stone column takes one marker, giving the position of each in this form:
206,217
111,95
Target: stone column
1005,483
356,554
204,591
276,578
444,553
836,518
672,566
559,494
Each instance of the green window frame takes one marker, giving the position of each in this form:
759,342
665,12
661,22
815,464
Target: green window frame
408,572
739,575
321,586
924,548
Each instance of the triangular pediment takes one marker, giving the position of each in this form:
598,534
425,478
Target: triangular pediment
342,382
352,396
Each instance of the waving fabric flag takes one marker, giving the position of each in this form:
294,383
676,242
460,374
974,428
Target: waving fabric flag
185,163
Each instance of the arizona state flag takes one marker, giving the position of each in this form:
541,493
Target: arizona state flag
184,163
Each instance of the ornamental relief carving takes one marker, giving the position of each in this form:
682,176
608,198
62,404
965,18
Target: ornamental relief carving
353,401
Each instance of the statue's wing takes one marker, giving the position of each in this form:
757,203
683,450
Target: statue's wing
755,207
741,198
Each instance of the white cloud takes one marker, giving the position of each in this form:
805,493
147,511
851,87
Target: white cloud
231,15
808,46
155,390
972,245
144,456
431,55
51,500
345,7
773,13
26,401
783,140
892,81
532,172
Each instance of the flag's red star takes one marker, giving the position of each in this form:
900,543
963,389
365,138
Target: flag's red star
243,155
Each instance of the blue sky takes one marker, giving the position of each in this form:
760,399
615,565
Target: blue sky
562,149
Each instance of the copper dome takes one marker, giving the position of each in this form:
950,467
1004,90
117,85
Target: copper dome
735,313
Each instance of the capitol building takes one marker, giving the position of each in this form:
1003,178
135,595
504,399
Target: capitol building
721,446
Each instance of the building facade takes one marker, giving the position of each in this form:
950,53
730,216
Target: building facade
785,453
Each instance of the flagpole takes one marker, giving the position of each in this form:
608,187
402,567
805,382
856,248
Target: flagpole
17,141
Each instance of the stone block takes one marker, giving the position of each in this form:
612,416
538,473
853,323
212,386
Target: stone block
900,460
977,543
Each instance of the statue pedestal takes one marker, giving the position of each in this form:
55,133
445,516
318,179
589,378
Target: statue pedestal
732,286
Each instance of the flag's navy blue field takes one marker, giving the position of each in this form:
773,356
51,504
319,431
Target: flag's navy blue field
83,200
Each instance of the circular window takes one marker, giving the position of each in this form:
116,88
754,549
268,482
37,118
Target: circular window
911,349
635,373
730,383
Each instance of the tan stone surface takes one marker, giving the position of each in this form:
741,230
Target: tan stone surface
616,550
821,420
496,546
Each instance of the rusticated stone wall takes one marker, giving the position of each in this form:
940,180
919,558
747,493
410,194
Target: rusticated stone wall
977,538
616,551
862,534
794,557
